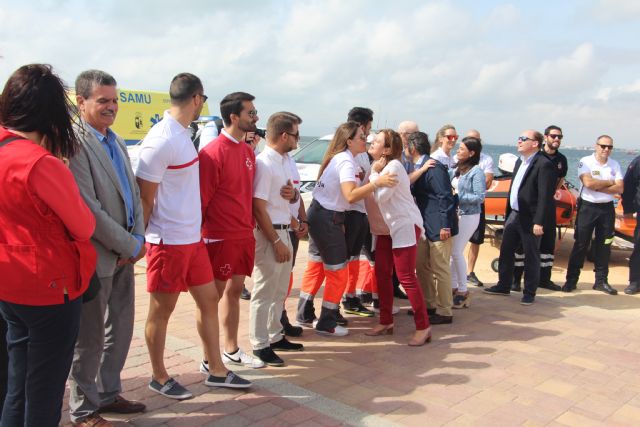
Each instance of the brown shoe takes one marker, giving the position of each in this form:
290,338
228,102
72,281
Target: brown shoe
123,406
93,420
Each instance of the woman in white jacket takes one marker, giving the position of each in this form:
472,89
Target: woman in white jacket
403,218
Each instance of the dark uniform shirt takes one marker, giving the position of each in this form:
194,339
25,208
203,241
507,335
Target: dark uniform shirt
560,164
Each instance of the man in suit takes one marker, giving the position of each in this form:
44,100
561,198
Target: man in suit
435,200
107,184
529,203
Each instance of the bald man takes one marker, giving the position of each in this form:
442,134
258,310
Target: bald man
405,129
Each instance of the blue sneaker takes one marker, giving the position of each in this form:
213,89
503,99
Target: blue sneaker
171,389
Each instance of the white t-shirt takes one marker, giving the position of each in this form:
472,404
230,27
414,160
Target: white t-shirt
272,172
442,157
398,208
364,166
208,134
485,163
168,157
610,170
295,179
342,168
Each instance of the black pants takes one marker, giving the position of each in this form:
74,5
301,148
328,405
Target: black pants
4,362
514,235
634,259
601,218
547,250
356,228
40,341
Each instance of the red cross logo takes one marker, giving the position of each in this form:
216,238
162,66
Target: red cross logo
225,270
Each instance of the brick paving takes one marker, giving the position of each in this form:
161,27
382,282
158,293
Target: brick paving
570,359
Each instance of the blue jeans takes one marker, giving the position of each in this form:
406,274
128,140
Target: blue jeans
40,342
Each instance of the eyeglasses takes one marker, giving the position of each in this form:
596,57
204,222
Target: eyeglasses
295,135
452,137
204,97
252,113
552,136
606,147
525,139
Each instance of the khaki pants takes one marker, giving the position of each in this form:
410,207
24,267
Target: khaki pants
434,274
270,286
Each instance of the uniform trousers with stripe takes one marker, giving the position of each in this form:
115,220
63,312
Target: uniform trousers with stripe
547,251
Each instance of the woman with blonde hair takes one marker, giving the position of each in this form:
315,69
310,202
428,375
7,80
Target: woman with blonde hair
398,249
335,190
446,139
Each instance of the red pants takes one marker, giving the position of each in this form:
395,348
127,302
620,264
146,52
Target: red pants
404,260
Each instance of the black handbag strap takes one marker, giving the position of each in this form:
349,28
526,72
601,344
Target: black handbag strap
8,140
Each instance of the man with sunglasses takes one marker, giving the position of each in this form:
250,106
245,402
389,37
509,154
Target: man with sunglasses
528,204
552,140
601,179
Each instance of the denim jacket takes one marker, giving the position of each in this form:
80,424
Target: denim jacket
471,190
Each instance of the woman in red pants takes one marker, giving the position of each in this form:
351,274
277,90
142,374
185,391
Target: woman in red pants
399,249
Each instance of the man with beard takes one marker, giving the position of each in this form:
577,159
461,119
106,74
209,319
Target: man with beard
227,170
552,140
273,245
168,176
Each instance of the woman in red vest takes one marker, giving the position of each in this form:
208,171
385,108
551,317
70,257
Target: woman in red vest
46,259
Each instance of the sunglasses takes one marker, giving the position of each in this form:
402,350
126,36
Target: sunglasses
555,136
452,137
204,97
606,147
525,139
252,113
295,135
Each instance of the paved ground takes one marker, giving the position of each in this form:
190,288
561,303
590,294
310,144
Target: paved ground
570,359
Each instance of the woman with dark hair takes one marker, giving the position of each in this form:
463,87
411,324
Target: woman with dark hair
398,249
46,259
468,180
335,190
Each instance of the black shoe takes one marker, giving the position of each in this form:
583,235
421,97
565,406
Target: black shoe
341,320
306,313
437,319
550,285
430,312
366,297
515,287
352,305
472,278
286,345
527,299
397,293
245,295
568,287
287,328
496,290
632,289
268,357
605,287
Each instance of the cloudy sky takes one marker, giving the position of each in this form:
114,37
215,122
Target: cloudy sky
497,66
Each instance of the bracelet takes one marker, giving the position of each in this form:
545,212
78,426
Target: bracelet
276,241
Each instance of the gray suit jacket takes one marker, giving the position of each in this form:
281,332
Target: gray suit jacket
101,190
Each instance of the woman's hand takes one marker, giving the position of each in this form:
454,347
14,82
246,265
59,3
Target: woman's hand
379,164
427,165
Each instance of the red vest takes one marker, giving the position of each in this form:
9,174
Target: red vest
38,258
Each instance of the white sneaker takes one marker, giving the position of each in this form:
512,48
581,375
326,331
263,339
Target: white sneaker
204,367
242,358
338,331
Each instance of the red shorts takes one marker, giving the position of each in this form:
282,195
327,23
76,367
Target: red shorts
173,268
232,257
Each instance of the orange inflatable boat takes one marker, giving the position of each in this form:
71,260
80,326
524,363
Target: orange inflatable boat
495,202
624,226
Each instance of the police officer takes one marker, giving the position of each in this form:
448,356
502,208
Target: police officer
631,204
601,180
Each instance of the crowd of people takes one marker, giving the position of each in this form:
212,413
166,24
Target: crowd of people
75,218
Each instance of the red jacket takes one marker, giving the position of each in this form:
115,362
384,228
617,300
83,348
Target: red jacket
39,258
